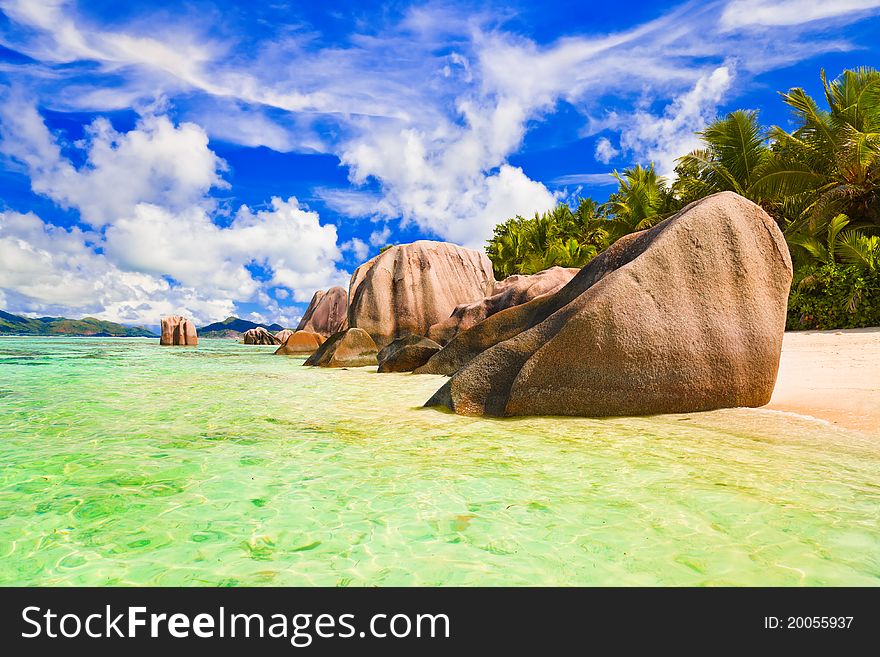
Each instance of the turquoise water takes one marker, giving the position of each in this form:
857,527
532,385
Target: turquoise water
125,463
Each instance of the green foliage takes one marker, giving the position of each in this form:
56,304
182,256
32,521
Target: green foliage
734,158
834,296
642,199
562,236
819,181
16,325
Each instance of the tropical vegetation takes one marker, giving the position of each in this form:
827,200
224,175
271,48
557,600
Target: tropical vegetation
87,326
820,181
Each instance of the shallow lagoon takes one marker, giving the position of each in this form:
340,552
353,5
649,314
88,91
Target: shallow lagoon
125,463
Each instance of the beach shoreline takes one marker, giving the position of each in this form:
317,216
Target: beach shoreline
832,376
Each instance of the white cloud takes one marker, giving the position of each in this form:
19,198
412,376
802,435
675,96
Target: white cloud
146,191
452,182
190,247
742,13
52,270
358,248
605,152
380,237
661,139
156,162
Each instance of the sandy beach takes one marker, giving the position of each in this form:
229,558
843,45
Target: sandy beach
833,376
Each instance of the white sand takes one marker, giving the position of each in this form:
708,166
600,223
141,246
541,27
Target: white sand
833,376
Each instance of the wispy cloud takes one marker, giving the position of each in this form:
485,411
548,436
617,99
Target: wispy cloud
743,13
596,179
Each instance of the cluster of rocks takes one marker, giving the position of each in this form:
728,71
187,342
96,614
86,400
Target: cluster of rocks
177,330
685,316
327,312
259,335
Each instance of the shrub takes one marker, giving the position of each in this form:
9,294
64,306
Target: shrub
834,296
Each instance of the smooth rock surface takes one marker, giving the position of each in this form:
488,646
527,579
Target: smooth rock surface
259,335
327,312
408,288
686,316
512,291
177,330
406,354
299,343
282,336
351,348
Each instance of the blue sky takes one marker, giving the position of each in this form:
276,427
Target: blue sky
211,158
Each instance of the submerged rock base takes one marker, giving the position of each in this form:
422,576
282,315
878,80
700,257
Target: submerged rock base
351,348
686,316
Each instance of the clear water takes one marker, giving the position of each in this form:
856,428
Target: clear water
125,463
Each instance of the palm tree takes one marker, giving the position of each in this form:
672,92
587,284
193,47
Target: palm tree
642,199
561,236
818,244
734,158
831,163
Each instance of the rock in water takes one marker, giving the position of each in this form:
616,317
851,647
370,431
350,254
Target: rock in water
282,335
299,343
407,288
177,330
327,312
686,316
512,291
259,335
351,348
406,354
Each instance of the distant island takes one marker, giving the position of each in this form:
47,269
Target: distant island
87,327
232,328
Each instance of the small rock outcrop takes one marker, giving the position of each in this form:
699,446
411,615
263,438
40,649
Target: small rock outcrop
351,348
406,354
300,343
283,335
408,288
512,291
259,335
177,330
685,316
327,312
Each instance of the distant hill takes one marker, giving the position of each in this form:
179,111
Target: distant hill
233,327
87,326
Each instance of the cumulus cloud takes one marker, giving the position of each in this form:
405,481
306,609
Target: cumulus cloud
52,270
605,152
380,237
452,182
144,195
157,162
358,248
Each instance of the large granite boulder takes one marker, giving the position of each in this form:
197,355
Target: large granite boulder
259,335
177,330
408,288
327,312
512,291
299,343
686,316
406,354
351,348
282,335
